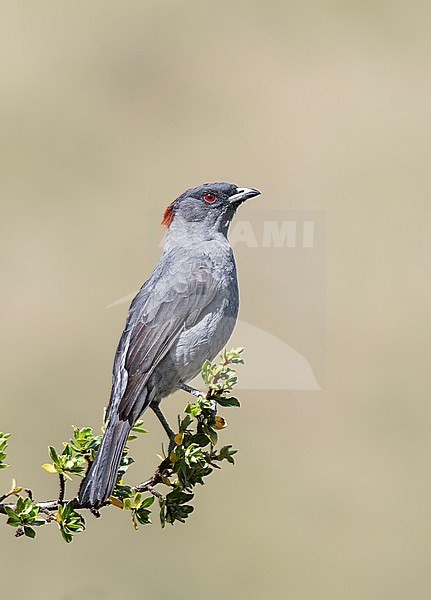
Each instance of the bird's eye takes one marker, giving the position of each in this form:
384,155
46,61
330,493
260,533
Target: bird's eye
209,197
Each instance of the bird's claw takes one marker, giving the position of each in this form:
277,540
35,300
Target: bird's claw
213,408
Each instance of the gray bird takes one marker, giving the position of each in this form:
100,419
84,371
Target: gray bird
182,315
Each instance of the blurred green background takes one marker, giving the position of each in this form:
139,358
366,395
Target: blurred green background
108,111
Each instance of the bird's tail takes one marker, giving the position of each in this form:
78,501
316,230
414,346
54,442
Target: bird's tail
100,479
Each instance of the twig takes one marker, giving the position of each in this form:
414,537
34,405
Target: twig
148,485
3,498
48,506
62,488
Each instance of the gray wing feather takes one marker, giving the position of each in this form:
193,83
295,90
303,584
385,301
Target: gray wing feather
170,301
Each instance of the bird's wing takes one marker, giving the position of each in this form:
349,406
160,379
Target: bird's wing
169,302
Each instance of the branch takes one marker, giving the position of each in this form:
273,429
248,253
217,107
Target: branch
52,505
193,457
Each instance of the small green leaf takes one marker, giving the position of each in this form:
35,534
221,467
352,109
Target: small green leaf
53,454
29,531
69,521
50,468
223,401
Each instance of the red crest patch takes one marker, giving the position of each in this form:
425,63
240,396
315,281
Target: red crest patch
168,217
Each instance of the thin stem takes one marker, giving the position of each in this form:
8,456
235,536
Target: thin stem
62,488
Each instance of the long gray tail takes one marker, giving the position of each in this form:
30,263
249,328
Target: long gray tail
99,482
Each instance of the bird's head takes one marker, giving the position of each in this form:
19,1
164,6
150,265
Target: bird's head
210,206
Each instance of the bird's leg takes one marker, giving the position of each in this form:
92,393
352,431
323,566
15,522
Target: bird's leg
189,389
171,435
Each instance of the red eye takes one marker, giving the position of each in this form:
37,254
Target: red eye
209,197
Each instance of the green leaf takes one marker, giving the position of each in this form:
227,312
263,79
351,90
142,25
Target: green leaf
13,519
212,435
137,427
147,502
53,454
29,532
4,438
193,409
69,521
223,401
50,468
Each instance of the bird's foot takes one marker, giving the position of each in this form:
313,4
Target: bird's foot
199,394
213,408
189,389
